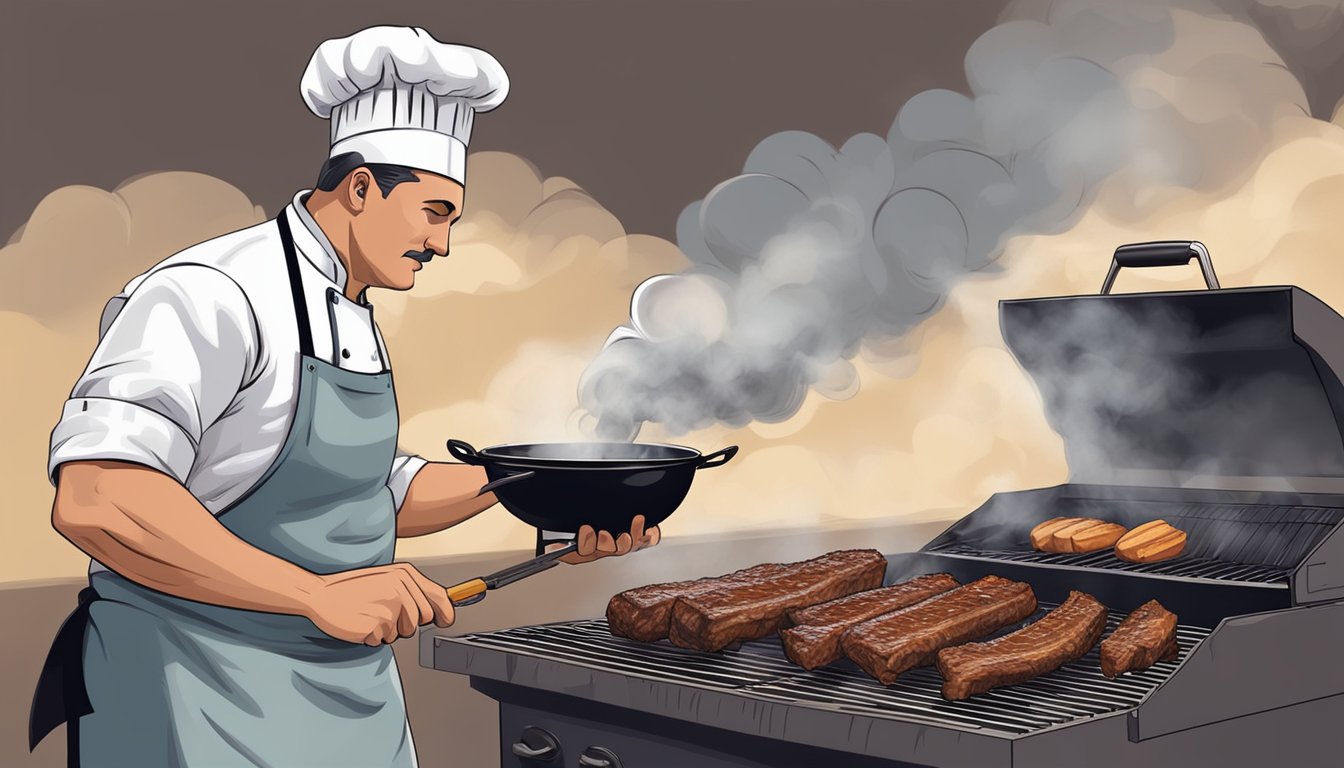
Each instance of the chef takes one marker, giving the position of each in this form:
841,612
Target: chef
228,458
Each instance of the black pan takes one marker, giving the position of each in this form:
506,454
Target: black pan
562,486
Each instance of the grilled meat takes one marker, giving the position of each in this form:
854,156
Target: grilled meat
1145,636
814,640
891,644
1151,542
1043,535
1096,537
746,609
1062,635
644,613
1075,534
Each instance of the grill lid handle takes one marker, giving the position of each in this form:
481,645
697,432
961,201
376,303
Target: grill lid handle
1168,253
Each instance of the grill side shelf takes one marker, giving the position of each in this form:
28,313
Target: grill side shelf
1249,664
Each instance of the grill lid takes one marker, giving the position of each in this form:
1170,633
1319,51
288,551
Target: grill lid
1191,384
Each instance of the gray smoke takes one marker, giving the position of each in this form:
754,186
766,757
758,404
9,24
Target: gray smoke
1146,388
814,255
1307,33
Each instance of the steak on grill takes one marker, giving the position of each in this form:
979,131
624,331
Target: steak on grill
889,645
1062,635
643,613
814,640
1145,636
749,609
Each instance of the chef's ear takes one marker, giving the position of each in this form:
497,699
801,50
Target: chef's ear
358,188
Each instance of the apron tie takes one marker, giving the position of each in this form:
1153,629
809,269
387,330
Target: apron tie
60,696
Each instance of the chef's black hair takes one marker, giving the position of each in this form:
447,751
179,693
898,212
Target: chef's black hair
337,168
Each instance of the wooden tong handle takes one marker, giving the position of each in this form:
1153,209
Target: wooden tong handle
467,591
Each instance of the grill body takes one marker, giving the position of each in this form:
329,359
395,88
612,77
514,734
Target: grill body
1287,737
656,705
1258,656
1246,417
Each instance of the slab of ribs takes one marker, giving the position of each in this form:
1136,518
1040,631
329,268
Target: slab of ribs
834,607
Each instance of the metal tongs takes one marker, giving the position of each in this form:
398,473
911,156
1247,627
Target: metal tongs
473,591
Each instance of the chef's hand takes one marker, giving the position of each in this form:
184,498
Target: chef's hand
600,544
377,605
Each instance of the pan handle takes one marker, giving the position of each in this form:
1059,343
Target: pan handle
463,452
718,458
493,484
1172,253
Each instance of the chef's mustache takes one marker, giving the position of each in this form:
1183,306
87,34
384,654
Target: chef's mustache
421,256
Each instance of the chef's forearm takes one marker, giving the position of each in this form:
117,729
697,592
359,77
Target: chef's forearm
440,496
145,526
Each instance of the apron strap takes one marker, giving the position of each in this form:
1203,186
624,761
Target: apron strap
296,286
60,696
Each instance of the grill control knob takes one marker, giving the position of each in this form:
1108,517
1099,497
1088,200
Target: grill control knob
599,757
537,744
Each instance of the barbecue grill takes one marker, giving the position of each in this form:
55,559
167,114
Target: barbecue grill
1228,426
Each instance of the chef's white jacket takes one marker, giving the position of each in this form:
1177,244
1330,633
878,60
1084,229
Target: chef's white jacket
196,371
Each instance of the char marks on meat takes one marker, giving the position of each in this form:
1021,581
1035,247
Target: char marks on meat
1144,637
1062,635
889,645
747,609
814,640
644,613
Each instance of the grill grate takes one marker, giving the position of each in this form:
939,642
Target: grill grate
760,670
591,645
1276,536
1184,566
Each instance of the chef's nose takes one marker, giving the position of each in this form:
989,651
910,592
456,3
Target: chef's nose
438,242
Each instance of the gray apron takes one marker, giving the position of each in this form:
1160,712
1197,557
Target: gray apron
176,682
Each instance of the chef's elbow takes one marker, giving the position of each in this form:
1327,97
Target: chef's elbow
80,506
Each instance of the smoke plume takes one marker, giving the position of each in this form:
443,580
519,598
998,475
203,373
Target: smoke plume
814,255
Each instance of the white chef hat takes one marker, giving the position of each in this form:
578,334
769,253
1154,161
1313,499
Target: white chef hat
396,95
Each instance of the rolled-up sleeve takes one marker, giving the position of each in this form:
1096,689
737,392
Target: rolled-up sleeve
168,363
404,467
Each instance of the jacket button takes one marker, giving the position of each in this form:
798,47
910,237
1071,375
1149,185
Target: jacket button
345,353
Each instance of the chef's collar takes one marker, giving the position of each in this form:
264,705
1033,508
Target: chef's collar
313,243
